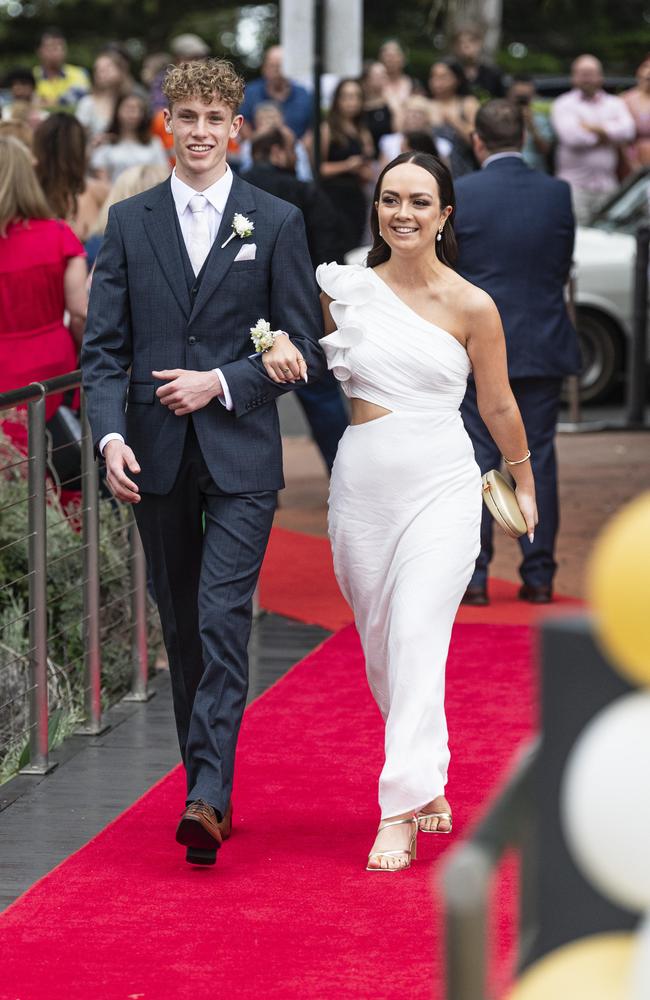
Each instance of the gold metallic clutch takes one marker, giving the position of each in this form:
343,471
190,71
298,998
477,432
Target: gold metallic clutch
501,502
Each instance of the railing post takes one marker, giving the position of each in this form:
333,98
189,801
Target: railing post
93,725
139,639
636,367
37,555
466,881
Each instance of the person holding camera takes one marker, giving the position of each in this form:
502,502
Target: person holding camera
539,135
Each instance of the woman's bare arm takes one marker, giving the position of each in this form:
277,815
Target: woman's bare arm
486,347
76,299
328,323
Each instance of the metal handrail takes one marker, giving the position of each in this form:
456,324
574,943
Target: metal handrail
466,880
35,390
34,396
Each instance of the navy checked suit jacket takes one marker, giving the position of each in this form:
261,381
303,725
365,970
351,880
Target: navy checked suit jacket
515,232
143,317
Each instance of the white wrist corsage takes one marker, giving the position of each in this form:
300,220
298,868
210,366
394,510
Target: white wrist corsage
263,336
241,227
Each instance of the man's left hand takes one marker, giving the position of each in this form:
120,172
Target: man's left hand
187,391
599,132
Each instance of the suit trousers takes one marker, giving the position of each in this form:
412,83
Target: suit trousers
204,551
539,403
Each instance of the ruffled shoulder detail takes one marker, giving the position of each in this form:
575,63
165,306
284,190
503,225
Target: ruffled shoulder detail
349,286
348,283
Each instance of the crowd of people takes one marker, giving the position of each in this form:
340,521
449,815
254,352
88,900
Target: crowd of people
95,137
586,136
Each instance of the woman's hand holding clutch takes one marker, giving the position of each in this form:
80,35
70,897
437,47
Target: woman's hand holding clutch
528,507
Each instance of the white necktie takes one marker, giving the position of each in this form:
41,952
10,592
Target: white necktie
199,235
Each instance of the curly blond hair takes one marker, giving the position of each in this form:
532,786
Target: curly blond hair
206,79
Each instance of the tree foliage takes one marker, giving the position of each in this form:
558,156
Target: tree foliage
550,33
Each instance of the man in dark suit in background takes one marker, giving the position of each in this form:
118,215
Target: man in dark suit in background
184,414
273,170
515,232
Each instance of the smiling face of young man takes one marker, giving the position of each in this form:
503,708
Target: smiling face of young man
201,135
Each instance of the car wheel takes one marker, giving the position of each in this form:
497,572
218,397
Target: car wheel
602,355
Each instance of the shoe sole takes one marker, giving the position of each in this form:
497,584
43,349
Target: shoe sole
196,856
201,846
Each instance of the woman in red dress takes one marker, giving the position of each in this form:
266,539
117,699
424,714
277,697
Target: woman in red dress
42,275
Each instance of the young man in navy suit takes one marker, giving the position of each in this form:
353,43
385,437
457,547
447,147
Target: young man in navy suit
185,417
515,231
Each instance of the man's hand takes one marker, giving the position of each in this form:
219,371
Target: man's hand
117,455
187,391
284,362
599,132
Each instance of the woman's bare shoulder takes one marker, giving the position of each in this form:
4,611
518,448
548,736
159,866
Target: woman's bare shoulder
474,302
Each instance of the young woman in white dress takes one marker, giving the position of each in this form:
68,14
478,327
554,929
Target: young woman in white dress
403,335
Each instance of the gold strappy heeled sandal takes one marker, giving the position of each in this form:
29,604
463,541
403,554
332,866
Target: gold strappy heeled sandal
410,853
438,816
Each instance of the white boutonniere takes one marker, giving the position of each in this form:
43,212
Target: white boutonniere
241,227
263,336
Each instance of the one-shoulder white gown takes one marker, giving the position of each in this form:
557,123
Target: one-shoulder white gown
404,517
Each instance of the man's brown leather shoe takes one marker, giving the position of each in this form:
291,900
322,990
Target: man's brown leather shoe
200,832
226,823
535,595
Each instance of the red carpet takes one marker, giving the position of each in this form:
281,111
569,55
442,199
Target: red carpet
298,581
288,911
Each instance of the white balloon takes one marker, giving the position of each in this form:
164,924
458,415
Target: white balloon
641,962
605,801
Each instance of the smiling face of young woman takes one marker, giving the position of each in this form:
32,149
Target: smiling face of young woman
409,211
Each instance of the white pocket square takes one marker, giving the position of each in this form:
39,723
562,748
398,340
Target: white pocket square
247,252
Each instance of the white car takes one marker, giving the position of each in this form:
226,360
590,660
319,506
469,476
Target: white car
605,255
604,259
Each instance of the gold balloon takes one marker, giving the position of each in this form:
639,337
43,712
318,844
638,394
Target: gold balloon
594,968
618,586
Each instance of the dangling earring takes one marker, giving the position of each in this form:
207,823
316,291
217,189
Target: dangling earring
439,236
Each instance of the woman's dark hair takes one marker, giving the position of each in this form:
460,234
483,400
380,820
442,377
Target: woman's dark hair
463,89
334,119
21,74
60,152
420,142
447,248
143,131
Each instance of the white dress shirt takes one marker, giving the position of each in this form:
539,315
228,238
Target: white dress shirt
502,156
216,196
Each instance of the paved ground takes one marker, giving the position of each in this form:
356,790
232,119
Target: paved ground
598,473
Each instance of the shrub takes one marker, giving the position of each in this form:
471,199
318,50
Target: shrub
66,685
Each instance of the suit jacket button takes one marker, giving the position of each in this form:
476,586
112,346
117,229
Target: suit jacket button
191,340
